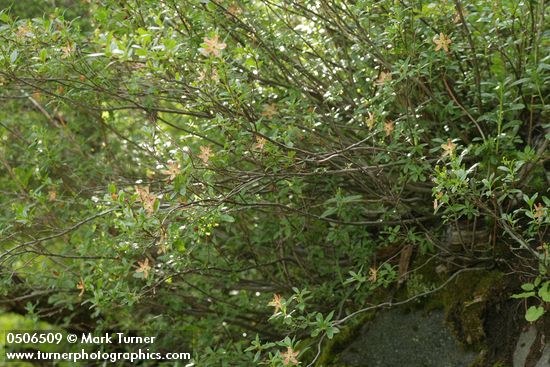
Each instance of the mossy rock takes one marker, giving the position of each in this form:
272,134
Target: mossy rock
464,301
333,348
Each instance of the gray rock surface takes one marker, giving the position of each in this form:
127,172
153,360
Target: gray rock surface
524,347
544,360
413,339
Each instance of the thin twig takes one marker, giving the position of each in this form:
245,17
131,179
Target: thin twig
392,304
450,91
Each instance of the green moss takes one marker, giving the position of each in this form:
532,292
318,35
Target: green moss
465,301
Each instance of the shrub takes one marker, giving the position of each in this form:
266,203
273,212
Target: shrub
180,163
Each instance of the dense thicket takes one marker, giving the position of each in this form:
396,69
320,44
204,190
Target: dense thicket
180,162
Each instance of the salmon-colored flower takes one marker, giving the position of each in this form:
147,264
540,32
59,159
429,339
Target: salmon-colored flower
383,78
442,42
260,142
147,198
212,46
373,274
276,302
234,10
52,195
173,170
144,268
539,211
290,357
448,148
161,244
67,51
389,126
23,31
270,110
205,155
457,19
212,75
81,286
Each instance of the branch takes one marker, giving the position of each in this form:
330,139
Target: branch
60,234
392,304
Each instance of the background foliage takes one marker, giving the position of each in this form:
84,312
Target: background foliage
177,163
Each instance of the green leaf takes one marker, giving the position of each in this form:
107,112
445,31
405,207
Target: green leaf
4,17
112,188
516,106
331,331
329,212
544,292
534,313
528,286
43,55
523,295
13,56
227,218
319,317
